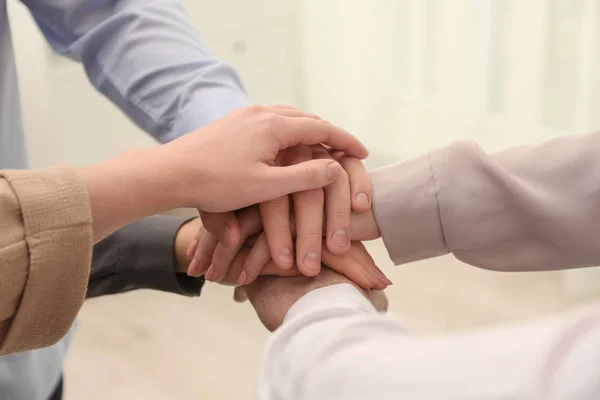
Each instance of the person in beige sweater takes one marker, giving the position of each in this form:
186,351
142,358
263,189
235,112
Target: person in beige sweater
51,217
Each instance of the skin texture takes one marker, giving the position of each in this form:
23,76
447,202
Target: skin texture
356,265
207,249
272,297
329,207
192,172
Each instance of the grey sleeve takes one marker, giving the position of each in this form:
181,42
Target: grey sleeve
141,256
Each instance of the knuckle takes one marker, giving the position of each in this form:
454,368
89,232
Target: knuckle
255,109
344,177
312,172
340,215
275,206
270,121
313,237
310,196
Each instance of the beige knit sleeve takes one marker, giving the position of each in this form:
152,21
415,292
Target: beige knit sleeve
45,255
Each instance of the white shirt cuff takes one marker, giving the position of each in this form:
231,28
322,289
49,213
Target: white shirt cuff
339,296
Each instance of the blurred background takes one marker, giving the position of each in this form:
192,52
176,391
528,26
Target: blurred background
404,76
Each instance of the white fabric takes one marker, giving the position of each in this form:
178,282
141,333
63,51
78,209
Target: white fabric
334,345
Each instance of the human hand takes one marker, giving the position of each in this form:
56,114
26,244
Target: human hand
272,297
209,251
357,264
350,192
186,235
229,164
221,167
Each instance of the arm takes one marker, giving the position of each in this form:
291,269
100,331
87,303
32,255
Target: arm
45,248
333,345
148,254
147,58
526,208
50,218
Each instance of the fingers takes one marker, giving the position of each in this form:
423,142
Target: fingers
275,216
204,251
256,260
271,269
358,266
222,225
192,246
224,254
237,265
308,211
304,130
360,182
337,207
311,174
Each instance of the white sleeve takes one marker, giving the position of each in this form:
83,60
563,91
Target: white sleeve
334,345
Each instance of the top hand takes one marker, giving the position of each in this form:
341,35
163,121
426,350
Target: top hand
229,164
223,166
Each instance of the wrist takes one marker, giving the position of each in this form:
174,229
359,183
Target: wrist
340,295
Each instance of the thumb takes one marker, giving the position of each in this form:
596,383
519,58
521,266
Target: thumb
307,175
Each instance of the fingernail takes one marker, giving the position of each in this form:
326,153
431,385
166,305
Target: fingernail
193,268
333,171
210,274
286,257
339,237
242,279
385,280
191,248
361,198
311,261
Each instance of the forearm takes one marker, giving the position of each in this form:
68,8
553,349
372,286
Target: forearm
127,188
331,346
143,255
526,208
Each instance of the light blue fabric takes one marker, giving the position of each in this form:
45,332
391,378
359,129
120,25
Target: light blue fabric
146,57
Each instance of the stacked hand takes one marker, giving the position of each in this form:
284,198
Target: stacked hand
356,264
216,247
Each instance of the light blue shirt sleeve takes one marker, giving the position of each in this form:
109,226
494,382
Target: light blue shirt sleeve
146,57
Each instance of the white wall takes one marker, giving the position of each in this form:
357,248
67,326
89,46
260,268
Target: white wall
410,75
407,75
